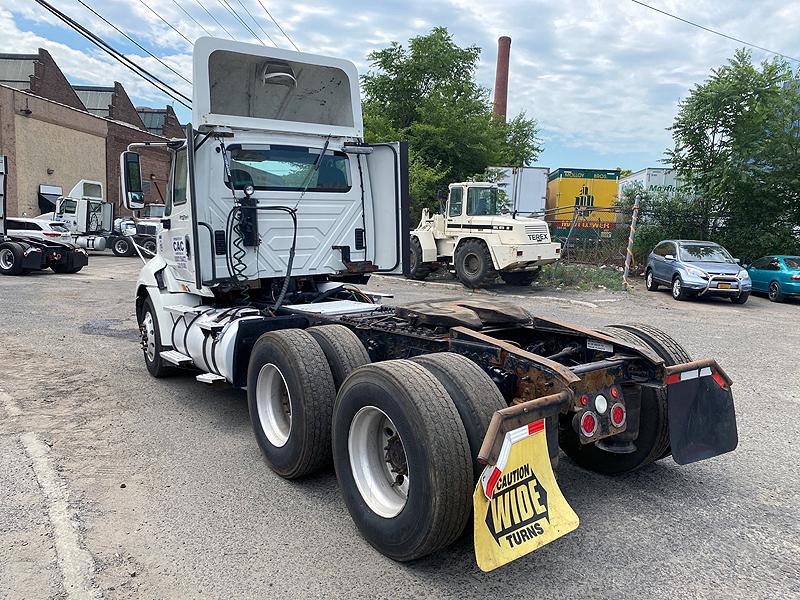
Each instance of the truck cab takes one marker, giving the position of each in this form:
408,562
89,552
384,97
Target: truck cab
479,237
87,215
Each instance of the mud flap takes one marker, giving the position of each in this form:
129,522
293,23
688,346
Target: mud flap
518,505
702,420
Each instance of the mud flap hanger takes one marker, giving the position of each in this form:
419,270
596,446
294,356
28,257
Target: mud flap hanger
702,419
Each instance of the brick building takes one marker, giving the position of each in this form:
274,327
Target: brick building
55,134
161,121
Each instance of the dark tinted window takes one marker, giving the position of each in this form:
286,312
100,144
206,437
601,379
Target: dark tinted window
12,224
760,263
774,265
665,248
456,201
793,264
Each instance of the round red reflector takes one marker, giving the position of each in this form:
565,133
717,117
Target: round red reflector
615,392
584,400
618,415
588,424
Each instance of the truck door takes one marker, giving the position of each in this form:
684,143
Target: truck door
387,215
176,242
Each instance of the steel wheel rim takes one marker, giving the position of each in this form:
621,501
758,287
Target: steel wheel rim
676,288
6,258
121,246
773,290
372,434
274,404
472,264
149,336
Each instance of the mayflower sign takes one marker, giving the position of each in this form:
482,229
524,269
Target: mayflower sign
653,180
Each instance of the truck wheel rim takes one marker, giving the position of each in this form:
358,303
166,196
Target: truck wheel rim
676,288
378,462
6,258
121,246
149,337
274,405
472,264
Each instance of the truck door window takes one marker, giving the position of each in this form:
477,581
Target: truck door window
456,202
288,168
68,207
179,178
482,201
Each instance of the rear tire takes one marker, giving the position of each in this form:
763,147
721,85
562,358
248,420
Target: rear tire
396,415
649,281
151,342
63,269
11,255
342,348
774,292
150,247
473,392
290,396
122,247
522,278
473,264
418,270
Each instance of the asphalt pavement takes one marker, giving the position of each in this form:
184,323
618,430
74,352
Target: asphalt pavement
117,485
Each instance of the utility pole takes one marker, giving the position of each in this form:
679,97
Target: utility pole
629,252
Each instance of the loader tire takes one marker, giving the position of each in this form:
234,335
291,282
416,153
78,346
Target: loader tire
418,270
290,395
11,255
396,415
342,348
473,264
473,392
653,441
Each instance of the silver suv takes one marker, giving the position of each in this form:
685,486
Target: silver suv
695,268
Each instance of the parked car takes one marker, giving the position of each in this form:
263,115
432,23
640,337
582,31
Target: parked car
695,268
776,276
37,229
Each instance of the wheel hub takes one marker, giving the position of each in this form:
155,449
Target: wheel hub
6,258
396,457
471,264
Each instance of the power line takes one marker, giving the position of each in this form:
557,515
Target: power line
116,55
269,14
167,23
215,19
257,23
715,32
129,38
230,9
196,22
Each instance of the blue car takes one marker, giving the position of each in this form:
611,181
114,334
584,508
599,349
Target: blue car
693,268
776,276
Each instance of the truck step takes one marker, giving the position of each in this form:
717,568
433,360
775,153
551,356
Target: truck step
182,309
209,378
211,326
176,358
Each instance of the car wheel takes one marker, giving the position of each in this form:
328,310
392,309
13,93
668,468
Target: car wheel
678,291
650,282
775,293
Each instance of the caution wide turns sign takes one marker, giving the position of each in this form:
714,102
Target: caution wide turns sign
518,504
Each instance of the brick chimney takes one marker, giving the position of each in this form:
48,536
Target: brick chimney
501,77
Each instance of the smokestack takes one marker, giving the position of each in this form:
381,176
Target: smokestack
501,77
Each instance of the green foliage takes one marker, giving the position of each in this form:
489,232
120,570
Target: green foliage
427,94
737,144
579,277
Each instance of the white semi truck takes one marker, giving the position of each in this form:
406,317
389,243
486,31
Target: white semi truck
478,239
429,412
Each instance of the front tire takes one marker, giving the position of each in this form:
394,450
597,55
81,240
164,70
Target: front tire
774,292
741,298
650,282
290,394
11,255
678,291
418,270
151,342
402,459
149,247
473,264
64,270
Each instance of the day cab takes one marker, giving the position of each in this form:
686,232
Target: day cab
480,239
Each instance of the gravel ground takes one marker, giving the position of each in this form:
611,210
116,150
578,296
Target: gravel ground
162,488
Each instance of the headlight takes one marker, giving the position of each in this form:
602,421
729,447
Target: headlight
743,274
697,272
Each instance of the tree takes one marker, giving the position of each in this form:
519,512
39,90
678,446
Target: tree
427,94
736,144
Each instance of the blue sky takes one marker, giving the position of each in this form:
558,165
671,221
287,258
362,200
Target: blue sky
602,77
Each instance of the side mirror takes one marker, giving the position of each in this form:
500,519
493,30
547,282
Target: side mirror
131,179
669,257
738,261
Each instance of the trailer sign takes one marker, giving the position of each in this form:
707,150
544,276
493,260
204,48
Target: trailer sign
527,509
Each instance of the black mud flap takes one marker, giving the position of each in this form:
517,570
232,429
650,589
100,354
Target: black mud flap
702,420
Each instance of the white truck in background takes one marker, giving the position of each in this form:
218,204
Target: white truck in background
479,238
525,188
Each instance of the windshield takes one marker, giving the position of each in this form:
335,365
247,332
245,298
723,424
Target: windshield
704,253
793,264
288,168
482,201
153,211
67,206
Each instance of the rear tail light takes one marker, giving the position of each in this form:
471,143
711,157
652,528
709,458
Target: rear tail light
585,400
618,415
615,392
719,379
588,424
52,234
795,277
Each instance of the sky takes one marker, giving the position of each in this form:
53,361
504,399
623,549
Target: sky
603,78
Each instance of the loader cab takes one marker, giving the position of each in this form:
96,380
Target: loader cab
274,177
474,202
